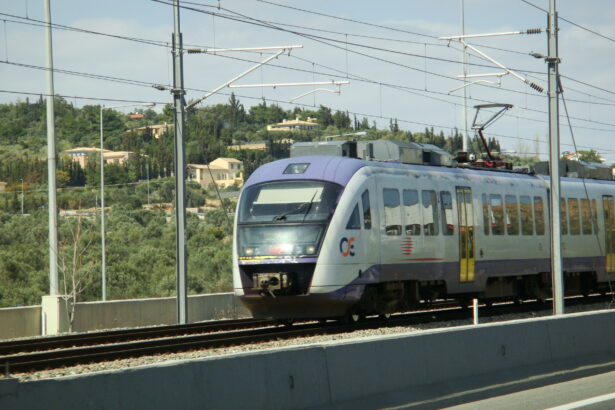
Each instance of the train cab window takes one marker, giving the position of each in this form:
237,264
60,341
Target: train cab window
497,214
392,214
586,221
430,212
486,219
595,216
563,217
412,212
367,213
575,217
539,215
446,202
512,215
355,219
527,222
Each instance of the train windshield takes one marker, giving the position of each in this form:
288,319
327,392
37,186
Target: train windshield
288,201
285,218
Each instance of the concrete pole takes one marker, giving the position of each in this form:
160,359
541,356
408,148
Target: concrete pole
465,89
556,238
103,259
21,196
147,172
180,170
51,162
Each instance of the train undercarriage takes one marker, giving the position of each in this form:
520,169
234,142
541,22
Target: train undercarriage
285,295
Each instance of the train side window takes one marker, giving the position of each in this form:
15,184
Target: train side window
564,217
392,214
575,217
355,220
511,208
527,222
539,215
497,214
367,213
595,216
446,201
586,221
430,212
486,218
412,212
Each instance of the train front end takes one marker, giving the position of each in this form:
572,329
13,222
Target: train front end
282,218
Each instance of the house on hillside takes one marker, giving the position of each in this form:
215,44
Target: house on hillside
255,145
259,145
574,156
156,131
224,172
82,154
294,125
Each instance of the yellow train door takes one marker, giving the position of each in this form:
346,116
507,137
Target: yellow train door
609,231
465,216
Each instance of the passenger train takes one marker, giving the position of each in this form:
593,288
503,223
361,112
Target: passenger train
334,236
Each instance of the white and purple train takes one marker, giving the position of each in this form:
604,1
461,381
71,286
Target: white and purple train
331,236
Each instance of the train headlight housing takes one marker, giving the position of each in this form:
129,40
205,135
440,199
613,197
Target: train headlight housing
310,250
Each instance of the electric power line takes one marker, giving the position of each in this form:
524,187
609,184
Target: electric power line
570,22
402,88
35,22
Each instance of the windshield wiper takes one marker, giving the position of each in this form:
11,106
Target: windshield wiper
309,208
282,217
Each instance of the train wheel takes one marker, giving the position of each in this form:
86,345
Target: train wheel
352,317
384,316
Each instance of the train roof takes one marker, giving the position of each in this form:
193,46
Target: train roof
325,168
340,169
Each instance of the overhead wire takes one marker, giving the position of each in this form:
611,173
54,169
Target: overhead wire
326,40
593,218
40,23
570,22
410,90
259,22
166,45
426,35
76,97
415,91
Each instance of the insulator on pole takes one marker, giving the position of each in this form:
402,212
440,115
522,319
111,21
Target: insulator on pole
537,87
533,31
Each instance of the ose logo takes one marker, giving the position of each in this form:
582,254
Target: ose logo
347,247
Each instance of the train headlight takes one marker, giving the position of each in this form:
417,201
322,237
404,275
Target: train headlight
310,250
249,251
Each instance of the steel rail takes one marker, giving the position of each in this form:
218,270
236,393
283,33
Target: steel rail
115,336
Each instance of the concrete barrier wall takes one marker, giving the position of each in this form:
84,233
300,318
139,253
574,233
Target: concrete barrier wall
335,374
20,322
159,311
26,321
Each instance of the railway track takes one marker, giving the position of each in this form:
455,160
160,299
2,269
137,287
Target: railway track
63,351
116,336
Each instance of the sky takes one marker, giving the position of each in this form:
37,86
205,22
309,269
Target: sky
388,51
